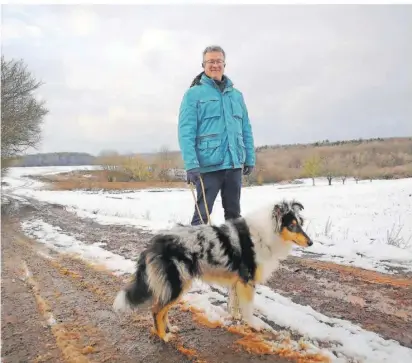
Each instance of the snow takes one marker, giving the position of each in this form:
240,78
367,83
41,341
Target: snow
18,177
350,224
94,253
365,225
345,337
350,342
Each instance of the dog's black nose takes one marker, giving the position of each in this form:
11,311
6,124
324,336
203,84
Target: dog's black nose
310,243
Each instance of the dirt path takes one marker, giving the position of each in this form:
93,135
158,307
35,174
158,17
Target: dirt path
64,314
25,334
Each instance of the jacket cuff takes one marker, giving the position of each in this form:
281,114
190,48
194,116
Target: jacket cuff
191,166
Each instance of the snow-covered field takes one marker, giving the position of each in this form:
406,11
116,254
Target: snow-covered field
351,224
366,225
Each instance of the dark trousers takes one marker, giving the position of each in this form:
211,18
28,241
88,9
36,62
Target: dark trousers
229,183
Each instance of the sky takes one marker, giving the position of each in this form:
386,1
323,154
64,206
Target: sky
115,75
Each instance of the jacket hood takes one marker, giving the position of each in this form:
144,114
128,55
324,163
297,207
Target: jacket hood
202,78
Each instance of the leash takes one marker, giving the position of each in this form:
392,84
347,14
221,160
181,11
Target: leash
192,189
233,299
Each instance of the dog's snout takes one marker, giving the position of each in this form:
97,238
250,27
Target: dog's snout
310,242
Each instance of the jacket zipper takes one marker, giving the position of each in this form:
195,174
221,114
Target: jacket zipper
223,109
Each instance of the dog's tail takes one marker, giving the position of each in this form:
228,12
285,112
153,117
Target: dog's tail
137,292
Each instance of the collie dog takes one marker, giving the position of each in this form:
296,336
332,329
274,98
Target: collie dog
237,254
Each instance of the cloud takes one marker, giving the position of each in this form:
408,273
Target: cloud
115,74
82,21
17,29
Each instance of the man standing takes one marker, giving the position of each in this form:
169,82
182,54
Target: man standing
215,137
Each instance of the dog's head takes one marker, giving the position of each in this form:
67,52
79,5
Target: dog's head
288,223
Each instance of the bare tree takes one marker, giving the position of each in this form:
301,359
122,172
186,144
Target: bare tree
344,167
328,168
21,113
164,163
357,162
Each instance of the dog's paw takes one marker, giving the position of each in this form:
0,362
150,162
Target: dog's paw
173,328
236,315
254,323
234,309
168,337
153,331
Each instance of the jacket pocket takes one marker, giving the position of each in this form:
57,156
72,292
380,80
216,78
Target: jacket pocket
237,110
209,150
241,149
208,109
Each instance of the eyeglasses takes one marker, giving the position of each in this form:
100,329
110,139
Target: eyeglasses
213,61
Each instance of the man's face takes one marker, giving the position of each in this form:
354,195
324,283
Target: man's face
214,64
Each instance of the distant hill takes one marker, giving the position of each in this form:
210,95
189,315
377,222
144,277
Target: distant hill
372,158
56,159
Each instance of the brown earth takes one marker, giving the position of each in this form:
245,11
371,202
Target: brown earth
80,296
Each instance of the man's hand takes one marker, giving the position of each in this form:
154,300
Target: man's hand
192,176
247,170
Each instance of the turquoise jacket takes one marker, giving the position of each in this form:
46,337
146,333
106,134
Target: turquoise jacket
214,130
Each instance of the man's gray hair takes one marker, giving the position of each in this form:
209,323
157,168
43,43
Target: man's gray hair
214,48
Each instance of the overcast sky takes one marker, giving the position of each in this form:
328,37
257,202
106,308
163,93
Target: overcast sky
115,74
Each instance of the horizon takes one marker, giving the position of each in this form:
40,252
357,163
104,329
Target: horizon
320,142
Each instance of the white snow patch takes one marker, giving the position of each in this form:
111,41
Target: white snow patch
18,177
52,237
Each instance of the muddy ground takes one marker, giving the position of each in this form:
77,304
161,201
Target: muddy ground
38,286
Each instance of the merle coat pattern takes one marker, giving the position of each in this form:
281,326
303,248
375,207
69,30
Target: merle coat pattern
240,253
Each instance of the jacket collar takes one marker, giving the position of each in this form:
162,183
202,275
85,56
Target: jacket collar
206,80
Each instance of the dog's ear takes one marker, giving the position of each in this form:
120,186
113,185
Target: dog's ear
277,212
297,207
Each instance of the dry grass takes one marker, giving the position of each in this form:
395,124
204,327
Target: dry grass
105,185
394,237
98,180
